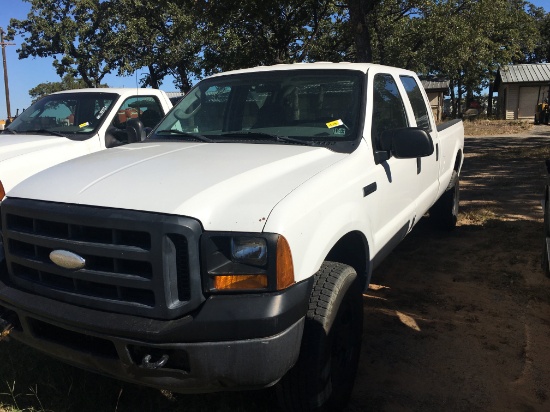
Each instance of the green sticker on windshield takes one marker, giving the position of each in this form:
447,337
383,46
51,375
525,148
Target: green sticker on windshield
81,125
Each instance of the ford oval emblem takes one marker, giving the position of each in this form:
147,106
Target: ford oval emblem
67,260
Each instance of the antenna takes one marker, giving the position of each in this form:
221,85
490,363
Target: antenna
6,87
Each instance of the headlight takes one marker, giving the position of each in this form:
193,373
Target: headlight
249,250
245,262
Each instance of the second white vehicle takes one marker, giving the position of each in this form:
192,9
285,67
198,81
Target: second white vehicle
72,123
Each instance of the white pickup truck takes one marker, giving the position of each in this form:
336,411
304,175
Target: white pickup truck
230,249
69,124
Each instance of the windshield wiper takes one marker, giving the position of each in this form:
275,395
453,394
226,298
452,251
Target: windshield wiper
274,137
197,136
45,131
9,131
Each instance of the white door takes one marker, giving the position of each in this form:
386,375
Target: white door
394,200
427,167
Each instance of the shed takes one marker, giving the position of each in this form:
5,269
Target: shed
520,88
436,89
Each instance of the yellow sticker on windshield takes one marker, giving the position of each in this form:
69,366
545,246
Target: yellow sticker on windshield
335,123
81,125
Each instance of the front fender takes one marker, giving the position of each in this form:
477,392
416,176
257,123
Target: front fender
320,212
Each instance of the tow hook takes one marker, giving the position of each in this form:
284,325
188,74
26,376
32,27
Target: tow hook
147,364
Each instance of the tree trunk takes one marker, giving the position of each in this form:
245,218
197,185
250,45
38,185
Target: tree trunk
459,98
183,79
490,100
153,80
453,99
359,13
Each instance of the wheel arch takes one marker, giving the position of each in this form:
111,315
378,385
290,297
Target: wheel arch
458,161
352,249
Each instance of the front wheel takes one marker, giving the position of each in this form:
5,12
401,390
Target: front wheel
444,213
546,247
323,377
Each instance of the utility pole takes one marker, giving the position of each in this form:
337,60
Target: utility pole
6,87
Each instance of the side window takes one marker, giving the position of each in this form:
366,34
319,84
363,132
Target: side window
388,110
146,108
417,102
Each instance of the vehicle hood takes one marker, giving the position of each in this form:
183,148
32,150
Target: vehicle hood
226,186
15,145
23,155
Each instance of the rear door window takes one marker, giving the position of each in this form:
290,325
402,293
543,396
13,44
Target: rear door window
417,102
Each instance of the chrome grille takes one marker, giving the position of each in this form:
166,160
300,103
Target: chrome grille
136,262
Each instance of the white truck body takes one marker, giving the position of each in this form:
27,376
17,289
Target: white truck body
24,152
283,224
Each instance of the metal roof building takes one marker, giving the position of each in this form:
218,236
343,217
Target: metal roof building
436,89
520,88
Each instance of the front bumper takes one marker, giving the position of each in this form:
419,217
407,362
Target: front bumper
230,342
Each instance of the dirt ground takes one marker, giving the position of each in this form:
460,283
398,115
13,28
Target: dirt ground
454,321
461,321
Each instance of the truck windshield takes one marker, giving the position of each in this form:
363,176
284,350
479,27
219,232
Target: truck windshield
312,107
66,114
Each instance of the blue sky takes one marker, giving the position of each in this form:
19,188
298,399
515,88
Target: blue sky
25,74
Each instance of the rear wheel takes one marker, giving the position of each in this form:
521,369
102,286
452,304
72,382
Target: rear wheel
546,245
444,213
323,377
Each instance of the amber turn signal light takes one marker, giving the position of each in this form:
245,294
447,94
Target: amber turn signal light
285,268
240,282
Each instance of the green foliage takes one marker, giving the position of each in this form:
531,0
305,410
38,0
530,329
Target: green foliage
384,30
167,37
67,83
76,33
464,40
262,33
541,52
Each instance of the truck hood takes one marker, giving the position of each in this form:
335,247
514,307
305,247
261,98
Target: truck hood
22,155
14,145
227,186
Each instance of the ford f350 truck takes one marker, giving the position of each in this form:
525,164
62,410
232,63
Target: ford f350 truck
72,123
230,249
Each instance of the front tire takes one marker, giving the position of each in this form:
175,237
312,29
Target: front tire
546,247
444,213
323,377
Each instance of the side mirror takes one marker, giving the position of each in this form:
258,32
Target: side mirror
407,143
135,130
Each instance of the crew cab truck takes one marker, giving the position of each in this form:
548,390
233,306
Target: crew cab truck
69,124
230,249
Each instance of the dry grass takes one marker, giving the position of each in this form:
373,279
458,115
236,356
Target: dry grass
477,216
485,127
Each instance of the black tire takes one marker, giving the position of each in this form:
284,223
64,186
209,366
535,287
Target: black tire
545,261
323,377
444,213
